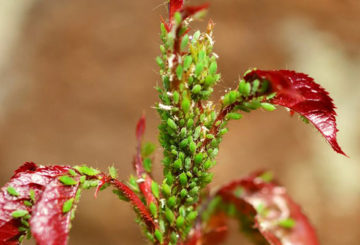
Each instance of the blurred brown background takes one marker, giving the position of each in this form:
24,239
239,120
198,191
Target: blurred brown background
76,75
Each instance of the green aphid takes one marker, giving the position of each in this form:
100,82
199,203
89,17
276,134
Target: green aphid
234,116
213,68
244,88
12,191
196,37
255,86
113,173
180,221
32,195
87,170
201,55
187,62
178,164
253,105
304,119
147,165
268,106
133,184
176,97
194,191
67,205
192,147
233,95
209,80
72,172
192,216
190,123
208,164
178,18
174,238
166,82
197,131
199,68
150,236
185,105
158,236
196,89
187,164
162,49
153,209
267,176
169,179
19,213
271,96
172,124
184,143
183,193
179,71
287,223
169,215
207,177
163,31
28,203
171,202
155,189
183,179
264,87
184,42
166,189
223,131
198,158
160,62
67,180
82,179
120,195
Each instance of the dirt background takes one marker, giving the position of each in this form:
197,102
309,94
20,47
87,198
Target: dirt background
76,75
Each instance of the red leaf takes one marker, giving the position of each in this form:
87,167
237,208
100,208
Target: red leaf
175,6
273,211
28,177
186,11
299,93
49,225
140,128
145,184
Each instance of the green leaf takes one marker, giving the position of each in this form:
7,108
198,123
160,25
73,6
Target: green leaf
67,180
147,149
32,195
147,165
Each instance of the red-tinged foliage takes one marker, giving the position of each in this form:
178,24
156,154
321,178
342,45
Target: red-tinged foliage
39,179
146,180
186,11
299,93
214,232
136,202
175,6
140,128
49,225
272,209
